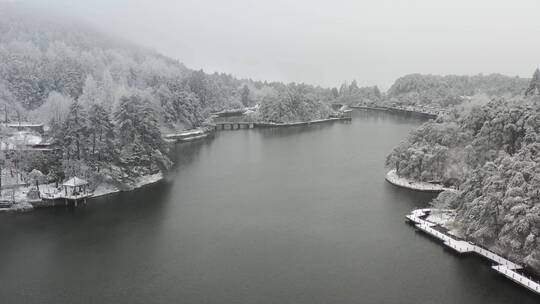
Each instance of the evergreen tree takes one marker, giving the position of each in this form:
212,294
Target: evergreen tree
138,127
198,84
335,92
344,89
534,85
377,92
353,87
148,128
179,106
92,93
245,95
107,86
125,120
101,129
76,131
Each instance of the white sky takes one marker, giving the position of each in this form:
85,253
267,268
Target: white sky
326,42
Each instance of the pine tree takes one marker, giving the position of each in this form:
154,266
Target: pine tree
353,87
138,126
76,131
91,93
534,85
245,95
107,86
335,92
167,106
101,129
198,84
148,128
124,117
377,92
344,89
179,106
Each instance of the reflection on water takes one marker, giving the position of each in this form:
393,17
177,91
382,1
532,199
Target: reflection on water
295,215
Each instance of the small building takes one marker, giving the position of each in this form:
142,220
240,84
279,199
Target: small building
26,141
75,189
23,126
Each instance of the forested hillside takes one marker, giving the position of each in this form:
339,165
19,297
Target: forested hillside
443,91
491,153
108,102
43,54
352,94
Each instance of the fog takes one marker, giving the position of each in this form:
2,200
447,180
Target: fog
326,42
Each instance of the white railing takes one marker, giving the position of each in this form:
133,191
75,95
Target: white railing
505,266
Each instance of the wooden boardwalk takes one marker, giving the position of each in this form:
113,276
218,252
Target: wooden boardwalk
186,135
226,125
504,266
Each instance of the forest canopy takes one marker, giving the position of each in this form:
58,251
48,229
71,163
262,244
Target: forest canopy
489,150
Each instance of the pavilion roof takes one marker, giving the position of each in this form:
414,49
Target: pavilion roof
75,182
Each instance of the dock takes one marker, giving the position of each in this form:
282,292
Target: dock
189,135
503,266
52,199
74,190
226,125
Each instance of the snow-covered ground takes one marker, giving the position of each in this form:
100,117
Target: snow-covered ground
393,178
444,218
440,218
22,203
148,180
105,189
12,177
19,195
26,138
19,140
18,207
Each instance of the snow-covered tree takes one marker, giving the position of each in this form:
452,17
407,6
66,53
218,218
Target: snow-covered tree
534,85
102,134
76,131
245,95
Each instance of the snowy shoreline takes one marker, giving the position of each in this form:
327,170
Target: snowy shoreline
431,113
420,218
22,204
145,180
393,178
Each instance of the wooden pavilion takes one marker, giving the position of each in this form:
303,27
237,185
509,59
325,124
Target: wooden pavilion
75,189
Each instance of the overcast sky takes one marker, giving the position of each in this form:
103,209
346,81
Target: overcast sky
327,41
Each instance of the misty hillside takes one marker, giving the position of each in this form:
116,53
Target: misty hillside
49,61
49,46
451,89
108,103
432,90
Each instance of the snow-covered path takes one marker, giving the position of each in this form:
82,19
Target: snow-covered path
505,267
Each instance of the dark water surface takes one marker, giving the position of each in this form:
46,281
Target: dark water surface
254,216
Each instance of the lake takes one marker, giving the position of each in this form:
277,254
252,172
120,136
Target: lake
291,215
